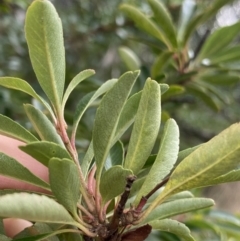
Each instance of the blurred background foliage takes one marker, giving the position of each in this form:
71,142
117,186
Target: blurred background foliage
202,70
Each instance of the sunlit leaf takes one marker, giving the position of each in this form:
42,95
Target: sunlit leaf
10,128
44,36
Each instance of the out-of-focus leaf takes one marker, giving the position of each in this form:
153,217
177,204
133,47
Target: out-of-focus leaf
173,90
64,182
116,155
11,168
138,234
165,159
22,85
44,36
86,101
127,115
146,126
74,82
2,231
211,160
129,58
43,151
202,93
220,39
172,208
107,117
164,21
4,238
164,88
220,78
10,128
107,189
159,63
173,226
42,125
144,23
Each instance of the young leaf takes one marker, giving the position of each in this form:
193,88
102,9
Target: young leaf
75,81
11,168
43,151
10,128
107,117
46,49
129,58
165,159
173,226
211,160
87,100
107,189
176,207
127,115
42,125
144,23
146,126
22,85
116,155
65,183
220,39
164,21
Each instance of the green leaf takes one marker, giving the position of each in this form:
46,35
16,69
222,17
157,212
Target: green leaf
107,189
232,176
10,128
180,195
127,115
129,58
144,23
211,160
2,231
164,88
173,226
65,183
35,208
46,49
220,39
107,117
146,126
165,159
22,85
74,82
4,238
87,100
43,151
42,125
173,90
164,21
176,207
116,155
184,153
11,168
87,159
160,62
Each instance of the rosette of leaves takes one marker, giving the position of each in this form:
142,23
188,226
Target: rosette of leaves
192,66
109,194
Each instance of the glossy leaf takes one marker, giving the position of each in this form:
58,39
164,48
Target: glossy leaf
107,117
127,115
65,183
11,168
220,39
173,90
22,85
211,160
159,63
87,100
107,189
146,126
74,82
116,155
129,58
144,23
164,21
173,226
34,207
42,125
44,36
43,151
176,207
10,128
165,160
